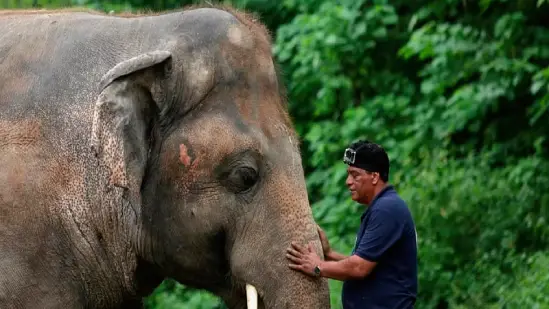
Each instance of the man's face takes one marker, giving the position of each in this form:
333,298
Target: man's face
361,184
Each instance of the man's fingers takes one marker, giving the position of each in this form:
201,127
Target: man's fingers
298,247
295,267
293,252
294,259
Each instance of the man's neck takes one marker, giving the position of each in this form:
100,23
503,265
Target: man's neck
378,189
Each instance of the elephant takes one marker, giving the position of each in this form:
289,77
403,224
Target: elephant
140,147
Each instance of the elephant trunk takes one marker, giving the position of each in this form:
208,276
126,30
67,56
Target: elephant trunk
258,257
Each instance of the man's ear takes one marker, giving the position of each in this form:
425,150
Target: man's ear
375,178
125,111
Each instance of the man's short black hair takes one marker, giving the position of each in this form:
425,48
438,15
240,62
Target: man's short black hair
371,157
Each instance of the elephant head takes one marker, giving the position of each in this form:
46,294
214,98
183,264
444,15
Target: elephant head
197,136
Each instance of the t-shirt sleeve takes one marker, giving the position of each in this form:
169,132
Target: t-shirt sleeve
382,231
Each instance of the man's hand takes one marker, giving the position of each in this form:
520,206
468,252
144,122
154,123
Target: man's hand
304,259
324,241
329,254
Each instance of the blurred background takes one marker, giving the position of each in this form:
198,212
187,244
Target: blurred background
457,91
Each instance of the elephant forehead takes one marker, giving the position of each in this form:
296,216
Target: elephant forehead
257,103
208,140
202,143
218,135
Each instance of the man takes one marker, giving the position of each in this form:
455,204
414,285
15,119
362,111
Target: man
382,269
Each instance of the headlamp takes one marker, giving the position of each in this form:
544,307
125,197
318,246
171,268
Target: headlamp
349,156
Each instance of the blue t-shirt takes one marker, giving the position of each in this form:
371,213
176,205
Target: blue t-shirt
387,235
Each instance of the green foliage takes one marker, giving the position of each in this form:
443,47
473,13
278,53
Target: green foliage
530,289
458,93
476,232
170,295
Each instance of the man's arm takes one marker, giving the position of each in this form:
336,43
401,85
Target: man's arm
382,232
334,256
353,267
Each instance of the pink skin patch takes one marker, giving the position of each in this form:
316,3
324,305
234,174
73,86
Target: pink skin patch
184,156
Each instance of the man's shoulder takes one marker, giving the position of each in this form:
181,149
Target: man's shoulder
393,204
391,199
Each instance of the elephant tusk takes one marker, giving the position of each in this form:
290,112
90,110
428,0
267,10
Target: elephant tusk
251,296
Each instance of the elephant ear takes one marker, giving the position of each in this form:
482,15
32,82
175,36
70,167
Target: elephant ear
125,110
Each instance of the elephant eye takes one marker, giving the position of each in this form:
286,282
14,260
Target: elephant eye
241,179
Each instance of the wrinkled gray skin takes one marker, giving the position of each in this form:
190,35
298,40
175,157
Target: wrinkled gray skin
135,149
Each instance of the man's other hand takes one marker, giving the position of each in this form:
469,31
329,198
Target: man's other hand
323,240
